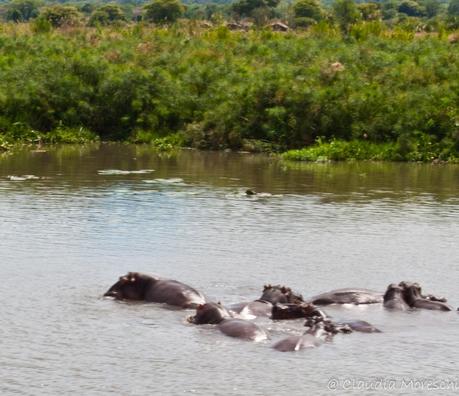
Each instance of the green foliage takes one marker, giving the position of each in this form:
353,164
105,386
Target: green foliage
247,8
411,8
106,15
308,9
339,150
214,88
370,11
163,11
346,13
22,10
418,148
58,15
453,8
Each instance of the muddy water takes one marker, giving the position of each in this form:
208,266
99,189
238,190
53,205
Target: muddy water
72,219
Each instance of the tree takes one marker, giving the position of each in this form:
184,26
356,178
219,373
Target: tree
453,8
106,15
346,13
431,7
411,8
247,8
307,9
370,11
58,15
164,11
22,10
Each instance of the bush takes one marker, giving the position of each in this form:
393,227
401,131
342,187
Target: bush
106,15
163,11
59,15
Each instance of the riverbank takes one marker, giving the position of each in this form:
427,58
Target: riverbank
382,95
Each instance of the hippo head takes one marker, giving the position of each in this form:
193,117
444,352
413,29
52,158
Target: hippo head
295,311
411,292
209,313
327,328
393,291
280,295
132,286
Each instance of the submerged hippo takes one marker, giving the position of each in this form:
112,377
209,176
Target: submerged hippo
348,296
413,296
296,343
394,298
271,295
215,313
360,326
141,287
317,334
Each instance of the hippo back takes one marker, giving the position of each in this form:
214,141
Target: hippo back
174,293
243,329
296,343
347,296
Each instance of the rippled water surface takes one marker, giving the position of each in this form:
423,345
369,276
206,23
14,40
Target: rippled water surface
73,219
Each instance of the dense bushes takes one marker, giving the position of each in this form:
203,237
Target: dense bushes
216,88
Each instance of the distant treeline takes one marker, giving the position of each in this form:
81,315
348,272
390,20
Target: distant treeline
421,14
390,91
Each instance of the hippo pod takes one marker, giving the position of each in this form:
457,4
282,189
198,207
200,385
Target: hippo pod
141,287
215,313
347,296
408,295
271,295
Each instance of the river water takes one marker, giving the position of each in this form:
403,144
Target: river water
73,219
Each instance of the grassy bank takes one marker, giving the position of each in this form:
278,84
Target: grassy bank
216,89
421,149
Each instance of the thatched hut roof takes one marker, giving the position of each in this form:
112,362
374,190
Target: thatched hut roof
278,26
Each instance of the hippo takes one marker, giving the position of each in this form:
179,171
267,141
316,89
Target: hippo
296,343
141,287
317,334
394,298
271,295
347,296
344,327
215,313
360,326
414,298
295,311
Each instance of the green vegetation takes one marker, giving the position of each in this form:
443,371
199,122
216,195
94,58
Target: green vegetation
344,84
163,11
420,149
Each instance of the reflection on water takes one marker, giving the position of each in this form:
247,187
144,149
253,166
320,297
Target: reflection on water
72,219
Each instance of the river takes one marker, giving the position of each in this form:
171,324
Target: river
75,218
